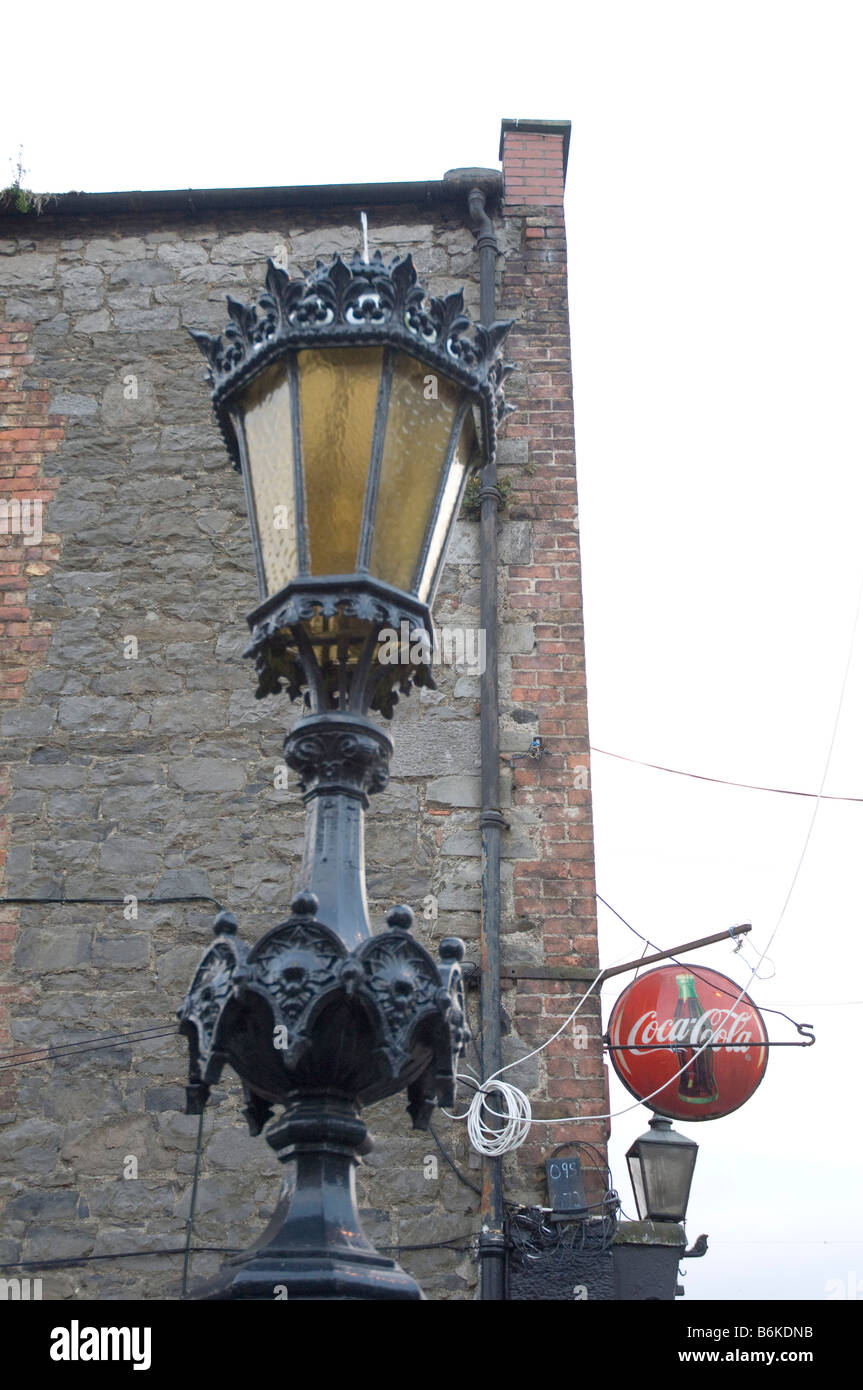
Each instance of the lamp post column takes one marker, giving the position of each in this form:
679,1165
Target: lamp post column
341,760
321,1016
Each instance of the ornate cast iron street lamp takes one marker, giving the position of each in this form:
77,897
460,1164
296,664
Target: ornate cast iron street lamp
354,406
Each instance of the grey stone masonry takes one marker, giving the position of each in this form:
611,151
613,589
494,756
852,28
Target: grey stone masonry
141,766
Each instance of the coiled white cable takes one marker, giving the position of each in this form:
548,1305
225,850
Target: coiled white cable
516,1115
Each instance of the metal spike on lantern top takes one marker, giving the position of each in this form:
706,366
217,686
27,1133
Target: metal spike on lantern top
364,222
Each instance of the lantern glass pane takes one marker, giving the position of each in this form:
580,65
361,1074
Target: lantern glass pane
668,1174
637,1180
446,513
268,424
421,414
661,1175
338,397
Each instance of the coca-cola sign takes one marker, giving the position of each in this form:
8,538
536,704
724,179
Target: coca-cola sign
657,1032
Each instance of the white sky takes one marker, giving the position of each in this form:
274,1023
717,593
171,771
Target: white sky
716,222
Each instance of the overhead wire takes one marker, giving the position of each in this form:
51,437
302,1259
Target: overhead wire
73,1260
26,1057
452,1163
684,965
190,1222
722,781
800,861
518,1117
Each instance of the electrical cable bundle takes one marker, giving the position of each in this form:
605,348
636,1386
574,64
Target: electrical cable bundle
491,1139
532,1235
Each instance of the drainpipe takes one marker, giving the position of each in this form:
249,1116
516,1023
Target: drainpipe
492,1242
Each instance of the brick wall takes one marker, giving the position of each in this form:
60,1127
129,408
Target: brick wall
534,166
27,551
553,896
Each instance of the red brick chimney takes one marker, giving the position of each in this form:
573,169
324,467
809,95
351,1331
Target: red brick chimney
554,896
534,155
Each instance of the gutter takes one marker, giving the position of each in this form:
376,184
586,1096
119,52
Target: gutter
492,1240
191,202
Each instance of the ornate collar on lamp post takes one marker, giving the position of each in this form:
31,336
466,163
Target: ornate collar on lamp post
355,406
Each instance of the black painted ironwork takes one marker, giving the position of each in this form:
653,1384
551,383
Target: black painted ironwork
311,614
354,304
322,1029
321,1016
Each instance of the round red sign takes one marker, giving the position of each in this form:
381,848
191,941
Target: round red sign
658,1026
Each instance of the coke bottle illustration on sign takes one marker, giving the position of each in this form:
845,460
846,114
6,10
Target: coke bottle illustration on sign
697,1083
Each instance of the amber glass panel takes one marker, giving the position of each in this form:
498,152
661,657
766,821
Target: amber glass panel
465,449
422,409
266,407
338,396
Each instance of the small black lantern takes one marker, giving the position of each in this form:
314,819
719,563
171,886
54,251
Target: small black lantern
661,1164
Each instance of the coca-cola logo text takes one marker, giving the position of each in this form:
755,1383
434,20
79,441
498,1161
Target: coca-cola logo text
714,1026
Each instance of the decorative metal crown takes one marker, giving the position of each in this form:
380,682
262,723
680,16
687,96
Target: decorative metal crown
361,303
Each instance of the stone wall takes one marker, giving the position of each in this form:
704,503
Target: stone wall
141,766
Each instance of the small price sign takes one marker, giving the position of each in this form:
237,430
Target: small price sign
565,1184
